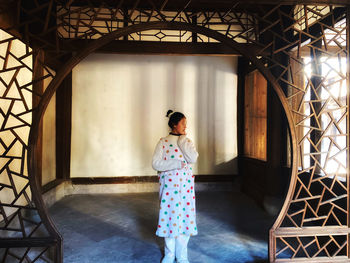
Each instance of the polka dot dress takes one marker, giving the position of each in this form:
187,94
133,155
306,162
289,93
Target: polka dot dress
177,214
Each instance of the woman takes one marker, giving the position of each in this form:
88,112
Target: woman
177,215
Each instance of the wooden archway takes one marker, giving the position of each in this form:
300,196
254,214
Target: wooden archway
300,227
68,67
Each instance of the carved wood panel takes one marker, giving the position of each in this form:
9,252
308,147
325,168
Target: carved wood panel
302,52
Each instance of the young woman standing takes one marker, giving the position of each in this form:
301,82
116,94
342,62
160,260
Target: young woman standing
177,215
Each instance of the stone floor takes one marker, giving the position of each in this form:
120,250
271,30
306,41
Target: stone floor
121,227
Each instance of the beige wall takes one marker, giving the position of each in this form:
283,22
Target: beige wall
49,139
119,106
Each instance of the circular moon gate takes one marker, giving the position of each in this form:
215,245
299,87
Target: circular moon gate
62,73
301,192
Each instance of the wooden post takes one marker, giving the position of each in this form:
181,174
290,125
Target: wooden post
348,122
38,90
63,128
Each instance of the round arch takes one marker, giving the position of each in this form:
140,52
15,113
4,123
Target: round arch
69,65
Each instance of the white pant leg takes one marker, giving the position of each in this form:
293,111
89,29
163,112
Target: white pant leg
169,250
181,249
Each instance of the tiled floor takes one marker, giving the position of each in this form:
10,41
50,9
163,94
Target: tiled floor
121,227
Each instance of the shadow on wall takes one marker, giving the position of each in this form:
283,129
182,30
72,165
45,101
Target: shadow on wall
134,93
229,168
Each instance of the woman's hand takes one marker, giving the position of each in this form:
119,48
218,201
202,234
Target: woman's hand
183,164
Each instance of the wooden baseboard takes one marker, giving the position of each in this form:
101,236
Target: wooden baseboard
47,187
132,179
146,179
114,180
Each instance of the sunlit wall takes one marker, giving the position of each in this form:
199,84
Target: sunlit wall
119,107
49,139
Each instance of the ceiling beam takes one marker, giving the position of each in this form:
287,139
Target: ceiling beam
203,5
165,48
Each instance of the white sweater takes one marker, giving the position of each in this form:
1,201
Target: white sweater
186,146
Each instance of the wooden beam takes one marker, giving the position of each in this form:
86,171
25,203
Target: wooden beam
38,88
146,179
312,231
150,47
53,184
28,242
205,5
9,16
338,259
63,127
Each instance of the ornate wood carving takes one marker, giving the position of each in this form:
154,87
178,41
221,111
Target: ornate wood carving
313,225
23,219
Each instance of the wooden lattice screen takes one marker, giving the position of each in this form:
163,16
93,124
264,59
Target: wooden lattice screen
302,50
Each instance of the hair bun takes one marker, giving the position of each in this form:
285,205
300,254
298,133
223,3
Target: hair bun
168,113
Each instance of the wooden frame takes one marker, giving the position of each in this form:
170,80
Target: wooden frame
313,225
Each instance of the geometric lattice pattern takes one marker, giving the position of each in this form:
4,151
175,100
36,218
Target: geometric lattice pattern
19,218
38,255
314,83
15,112
322,247
303,47
315,87
92,23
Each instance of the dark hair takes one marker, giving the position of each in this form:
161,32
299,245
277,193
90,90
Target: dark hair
174,118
